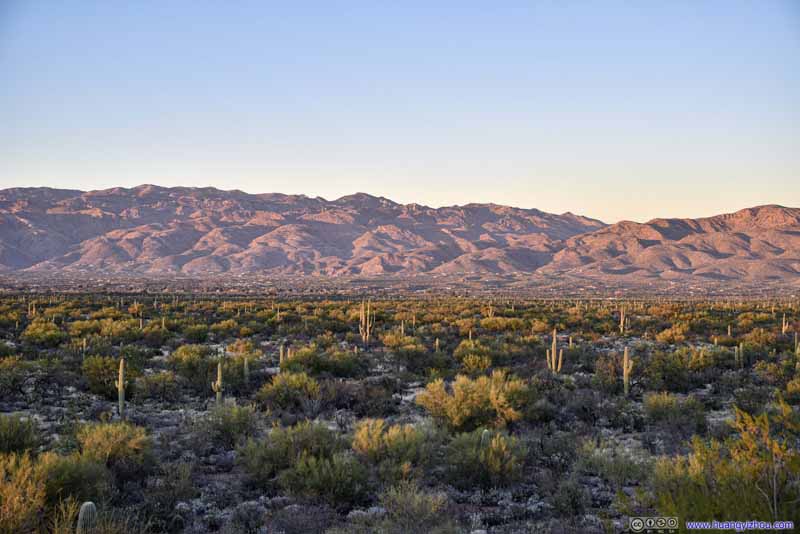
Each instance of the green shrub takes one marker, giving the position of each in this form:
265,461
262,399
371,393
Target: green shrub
227,425
409,510
162,386
264,459
613,463
22,494
17,434
570,499
193,362
484,458
339,480
102,372
289,391
668,371
396,449
122,447
12,376
493,400
728,480
315,362
682,417
44,334
76,476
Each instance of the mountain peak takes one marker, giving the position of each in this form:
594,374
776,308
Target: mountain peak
151,229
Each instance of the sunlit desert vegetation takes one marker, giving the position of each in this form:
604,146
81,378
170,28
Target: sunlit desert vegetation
180,413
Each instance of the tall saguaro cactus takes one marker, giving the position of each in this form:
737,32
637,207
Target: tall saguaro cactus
622,320
627,367
120,384
555,358
217,386
366,323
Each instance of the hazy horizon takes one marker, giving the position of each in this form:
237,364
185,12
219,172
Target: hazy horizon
609,110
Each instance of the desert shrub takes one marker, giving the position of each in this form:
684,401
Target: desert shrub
196,333
607,373
73,476
675,334
289,391
613,463
194,364
413,511
107,521
339,480
264,459
770,373
752,476
22,494
102,372
752,398
668,371
122,331
315,362
470,347
570,499
17,434
162,386
793,391
44,334
493,400
682,417
476,365
122,447
484,458
12,376
228,424
395,449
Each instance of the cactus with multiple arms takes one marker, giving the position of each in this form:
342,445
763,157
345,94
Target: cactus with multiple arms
366,322
555,358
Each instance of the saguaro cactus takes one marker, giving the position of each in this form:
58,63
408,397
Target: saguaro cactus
366,322
622,320
784,325
87,518
246,368
555,358
120,383
217,386
627,367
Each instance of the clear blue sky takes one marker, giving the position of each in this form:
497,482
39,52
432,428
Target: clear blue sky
617,110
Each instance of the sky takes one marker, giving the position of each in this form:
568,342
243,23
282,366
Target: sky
614,110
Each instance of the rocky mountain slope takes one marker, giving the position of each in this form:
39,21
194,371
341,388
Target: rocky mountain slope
197,231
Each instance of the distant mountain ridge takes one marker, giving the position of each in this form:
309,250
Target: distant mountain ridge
198,231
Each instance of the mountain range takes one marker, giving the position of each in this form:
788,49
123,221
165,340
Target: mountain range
203,231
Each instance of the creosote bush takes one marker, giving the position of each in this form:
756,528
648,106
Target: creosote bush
485,458
752,476
340,480
228,424
122,447
283,446
395,449
22,494
17,434
289,391
485,401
